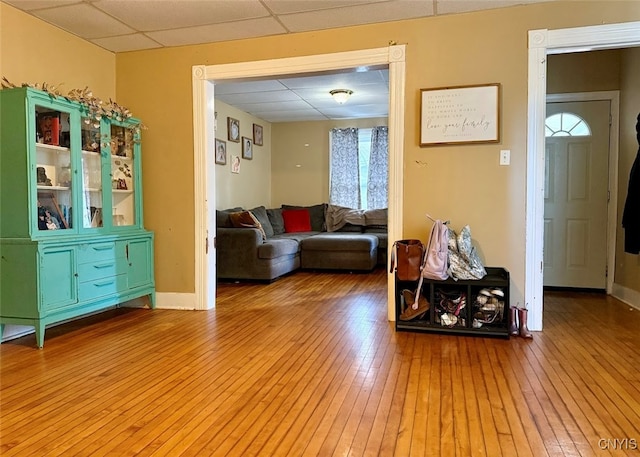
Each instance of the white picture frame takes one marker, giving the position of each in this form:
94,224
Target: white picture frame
460,115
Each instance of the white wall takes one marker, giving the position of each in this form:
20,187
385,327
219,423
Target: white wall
252,186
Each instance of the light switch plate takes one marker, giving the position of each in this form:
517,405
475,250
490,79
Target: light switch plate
505,157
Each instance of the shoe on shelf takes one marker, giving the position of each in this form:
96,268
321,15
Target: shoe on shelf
413,309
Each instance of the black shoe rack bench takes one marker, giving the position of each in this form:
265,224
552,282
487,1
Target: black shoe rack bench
479,316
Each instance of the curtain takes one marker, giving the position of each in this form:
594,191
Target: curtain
377,184
344,181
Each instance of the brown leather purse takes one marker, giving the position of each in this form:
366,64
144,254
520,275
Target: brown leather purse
406,259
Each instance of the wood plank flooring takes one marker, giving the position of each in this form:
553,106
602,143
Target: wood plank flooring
309,365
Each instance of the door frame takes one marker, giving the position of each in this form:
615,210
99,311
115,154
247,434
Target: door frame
541,43
613,97
203,84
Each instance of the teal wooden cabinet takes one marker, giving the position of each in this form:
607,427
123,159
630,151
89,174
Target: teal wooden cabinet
72,238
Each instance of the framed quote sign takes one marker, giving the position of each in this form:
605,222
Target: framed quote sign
460,115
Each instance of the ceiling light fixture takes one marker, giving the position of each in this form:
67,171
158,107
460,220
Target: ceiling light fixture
341,95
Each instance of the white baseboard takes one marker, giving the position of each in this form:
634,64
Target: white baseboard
624,294
174,300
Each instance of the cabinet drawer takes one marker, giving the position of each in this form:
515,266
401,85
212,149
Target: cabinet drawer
94,252
102,269
101,287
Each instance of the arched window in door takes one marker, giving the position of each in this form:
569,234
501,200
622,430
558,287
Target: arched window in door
566,124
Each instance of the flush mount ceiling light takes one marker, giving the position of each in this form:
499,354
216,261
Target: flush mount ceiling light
341,95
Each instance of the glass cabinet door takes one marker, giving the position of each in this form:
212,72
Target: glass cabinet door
53,169
92,196
122,148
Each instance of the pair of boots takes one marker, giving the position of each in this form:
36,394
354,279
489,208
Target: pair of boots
518,327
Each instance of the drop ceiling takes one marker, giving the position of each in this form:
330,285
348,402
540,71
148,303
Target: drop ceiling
131,25
307,98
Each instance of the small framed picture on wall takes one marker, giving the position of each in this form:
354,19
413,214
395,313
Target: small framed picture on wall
247,148
233,130
221,152
257,135
235,164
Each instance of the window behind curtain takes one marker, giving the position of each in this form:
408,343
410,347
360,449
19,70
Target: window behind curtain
364,150
349,169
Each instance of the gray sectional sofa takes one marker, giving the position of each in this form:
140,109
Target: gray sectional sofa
339,239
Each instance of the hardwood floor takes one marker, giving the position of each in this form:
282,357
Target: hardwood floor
309,365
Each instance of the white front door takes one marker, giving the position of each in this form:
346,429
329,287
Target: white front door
576,194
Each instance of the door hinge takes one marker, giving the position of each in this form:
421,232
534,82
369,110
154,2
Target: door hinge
608,196
206,245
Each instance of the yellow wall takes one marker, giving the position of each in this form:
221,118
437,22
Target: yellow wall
252,186
32,51
300,163
584,71
462,183
627,265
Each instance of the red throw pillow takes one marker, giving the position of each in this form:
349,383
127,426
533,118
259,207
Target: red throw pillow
296,220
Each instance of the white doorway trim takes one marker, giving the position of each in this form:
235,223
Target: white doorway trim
541,43
612,206
204,79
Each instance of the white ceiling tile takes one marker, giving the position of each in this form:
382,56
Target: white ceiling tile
259,97
29,5
354,112
334,81
298,6
256,108
293,116
224,88
357,15
219,32
124,43
463,6
84,20
148,15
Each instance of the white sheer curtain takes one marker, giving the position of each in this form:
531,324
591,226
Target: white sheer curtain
344,181
377,184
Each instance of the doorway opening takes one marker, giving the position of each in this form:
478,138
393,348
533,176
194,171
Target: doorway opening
204,79
541,43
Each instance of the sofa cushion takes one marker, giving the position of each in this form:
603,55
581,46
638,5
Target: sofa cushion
350,228
275,217
375,229
277,248
375,216
246,219
296,220
316,214
340,242
260,213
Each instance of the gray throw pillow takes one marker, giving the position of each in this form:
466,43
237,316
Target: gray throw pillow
277,222
260,213
316,213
